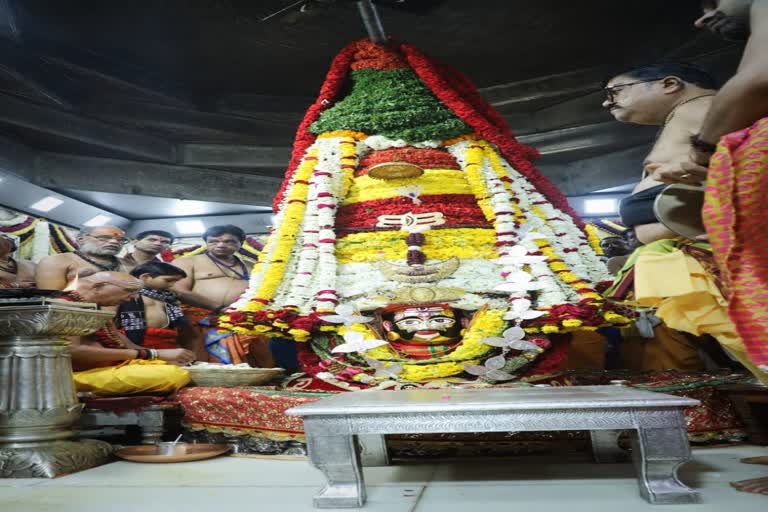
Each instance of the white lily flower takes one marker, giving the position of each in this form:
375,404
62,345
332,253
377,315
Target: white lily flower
356,342
345,314
511,338
383,371
520,310
518,255
491,369
526,233
519,282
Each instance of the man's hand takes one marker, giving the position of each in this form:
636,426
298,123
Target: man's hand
689,173
177,356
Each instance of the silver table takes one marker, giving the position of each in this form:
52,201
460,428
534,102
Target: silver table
334,427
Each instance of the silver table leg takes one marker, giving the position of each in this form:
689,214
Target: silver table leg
338,458
605,446
373,450
657,454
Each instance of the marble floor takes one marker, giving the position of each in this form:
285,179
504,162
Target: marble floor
531,483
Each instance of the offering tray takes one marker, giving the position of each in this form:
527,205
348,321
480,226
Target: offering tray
151,453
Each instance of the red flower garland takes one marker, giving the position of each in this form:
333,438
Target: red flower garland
458,210
329,93
467,104
450,87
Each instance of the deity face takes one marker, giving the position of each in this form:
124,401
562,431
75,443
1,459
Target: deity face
425,325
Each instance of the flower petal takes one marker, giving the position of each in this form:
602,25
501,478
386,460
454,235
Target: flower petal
498,375
495,363
514,333
474,369
353,336
345,310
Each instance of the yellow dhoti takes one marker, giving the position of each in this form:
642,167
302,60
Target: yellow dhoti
132,377
668,349
686,297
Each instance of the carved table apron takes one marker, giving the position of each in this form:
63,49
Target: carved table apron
334,425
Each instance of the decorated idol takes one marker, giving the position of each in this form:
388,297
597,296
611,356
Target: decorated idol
414,239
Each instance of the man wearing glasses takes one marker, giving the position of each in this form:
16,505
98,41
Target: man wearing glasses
674,97
98,249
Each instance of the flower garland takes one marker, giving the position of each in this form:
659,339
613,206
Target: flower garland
432,182
485,323
60,240
424,158
594,239
462,97
440,244
332,88
393,103
270,269
41,243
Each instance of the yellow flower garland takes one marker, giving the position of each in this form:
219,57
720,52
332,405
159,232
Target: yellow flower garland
472,165
432,182
594,239
343,133
441,244
285,236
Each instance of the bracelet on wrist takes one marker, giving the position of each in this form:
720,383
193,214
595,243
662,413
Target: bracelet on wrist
701,145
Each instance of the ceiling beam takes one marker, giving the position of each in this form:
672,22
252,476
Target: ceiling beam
234,155
598,173
189,125
548,87
28,115
56,170
38,76
580,142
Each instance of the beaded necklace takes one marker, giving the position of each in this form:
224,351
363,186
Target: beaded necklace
109,268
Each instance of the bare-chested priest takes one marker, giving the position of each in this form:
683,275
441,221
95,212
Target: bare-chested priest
220,276
14,273
107,362
98,250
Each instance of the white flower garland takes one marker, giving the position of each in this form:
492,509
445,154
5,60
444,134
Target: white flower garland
41,243
379,142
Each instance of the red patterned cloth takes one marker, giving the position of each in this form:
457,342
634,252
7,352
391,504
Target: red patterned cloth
261,411
255,411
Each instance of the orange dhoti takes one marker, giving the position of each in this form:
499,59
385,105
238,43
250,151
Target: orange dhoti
157,338
220,346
